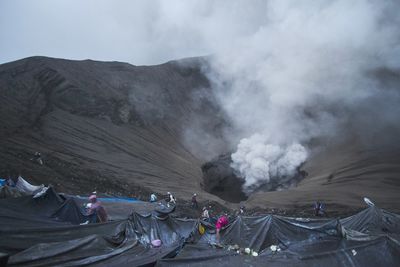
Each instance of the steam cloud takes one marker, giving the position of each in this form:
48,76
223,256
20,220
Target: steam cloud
259,162
300,71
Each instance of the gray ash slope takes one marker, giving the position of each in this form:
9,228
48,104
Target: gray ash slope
129,130
108,126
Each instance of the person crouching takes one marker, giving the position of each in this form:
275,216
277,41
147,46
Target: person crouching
96,211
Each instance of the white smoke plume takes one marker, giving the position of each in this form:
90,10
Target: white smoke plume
260,162
298,71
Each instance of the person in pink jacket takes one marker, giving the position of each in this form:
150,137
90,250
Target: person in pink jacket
221,222
97,209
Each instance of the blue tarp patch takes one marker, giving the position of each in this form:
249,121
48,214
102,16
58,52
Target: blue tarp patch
113,199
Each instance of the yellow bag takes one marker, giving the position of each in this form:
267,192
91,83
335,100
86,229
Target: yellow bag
202,229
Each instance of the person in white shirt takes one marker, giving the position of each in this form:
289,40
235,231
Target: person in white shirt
153,197
205,215
171,198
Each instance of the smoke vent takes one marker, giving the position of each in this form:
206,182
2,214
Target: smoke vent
220,180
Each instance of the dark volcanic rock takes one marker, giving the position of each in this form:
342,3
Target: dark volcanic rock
220,179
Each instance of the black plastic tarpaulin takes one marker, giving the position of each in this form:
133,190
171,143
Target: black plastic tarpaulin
369,238
330,252
46,231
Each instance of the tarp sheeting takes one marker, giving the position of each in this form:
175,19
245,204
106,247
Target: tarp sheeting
330,252
22,187
45,231
25,187
369,238
8,191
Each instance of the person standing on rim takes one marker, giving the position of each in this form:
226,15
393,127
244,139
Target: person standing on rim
195,205
170,198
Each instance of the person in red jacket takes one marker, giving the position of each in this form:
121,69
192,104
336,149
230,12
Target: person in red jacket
221,222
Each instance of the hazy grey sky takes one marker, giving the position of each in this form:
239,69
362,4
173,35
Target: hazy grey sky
139,32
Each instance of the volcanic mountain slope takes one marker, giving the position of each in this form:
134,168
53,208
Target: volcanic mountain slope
109,126
129,130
